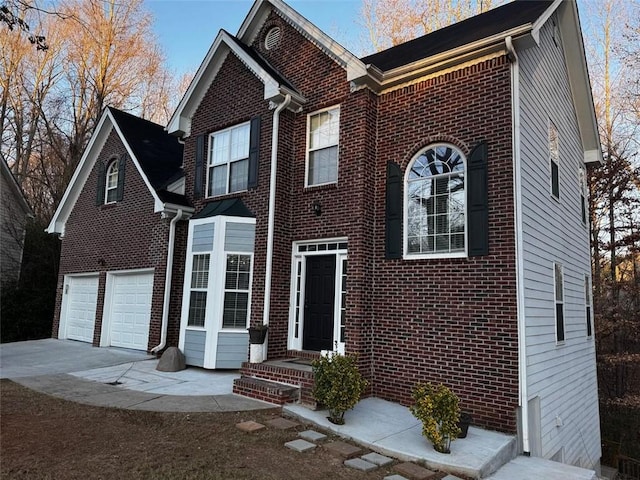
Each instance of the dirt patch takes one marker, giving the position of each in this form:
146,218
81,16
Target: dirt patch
42,437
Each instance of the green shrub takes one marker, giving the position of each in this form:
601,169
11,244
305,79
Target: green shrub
438,409
338,384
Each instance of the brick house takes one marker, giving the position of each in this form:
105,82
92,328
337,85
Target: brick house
423,207
118,224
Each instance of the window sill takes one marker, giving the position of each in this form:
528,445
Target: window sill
108,206
322,186
217,198
434,256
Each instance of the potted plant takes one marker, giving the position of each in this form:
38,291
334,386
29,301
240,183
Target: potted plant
258,334
463,424
338,384
438,409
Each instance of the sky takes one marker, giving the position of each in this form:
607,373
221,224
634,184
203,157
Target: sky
186,28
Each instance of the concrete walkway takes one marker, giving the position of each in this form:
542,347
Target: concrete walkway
113,377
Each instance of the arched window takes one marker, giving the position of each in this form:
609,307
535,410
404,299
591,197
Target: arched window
435,203
111,183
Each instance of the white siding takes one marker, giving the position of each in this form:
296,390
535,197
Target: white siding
562,375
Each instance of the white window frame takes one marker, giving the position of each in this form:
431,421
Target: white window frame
554,157
112,172
215,289
226,290
559,301
230,160
417,256
308,149
298,271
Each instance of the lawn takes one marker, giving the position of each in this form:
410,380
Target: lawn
45,437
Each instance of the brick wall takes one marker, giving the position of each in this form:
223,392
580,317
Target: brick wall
121,236
450,320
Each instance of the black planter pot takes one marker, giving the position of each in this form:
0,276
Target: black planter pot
463,424
257,335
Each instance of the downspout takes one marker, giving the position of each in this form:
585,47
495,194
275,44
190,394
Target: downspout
167,283
522,333
272,207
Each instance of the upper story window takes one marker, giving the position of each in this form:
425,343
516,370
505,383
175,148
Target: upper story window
435,203
228,167
554,159
111,183
582,180
323,130
558,277
587,305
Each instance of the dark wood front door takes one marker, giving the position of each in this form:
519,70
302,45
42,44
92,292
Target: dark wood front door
319,303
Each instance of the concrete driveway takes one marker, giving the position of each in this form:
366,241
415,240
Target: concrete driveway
116,377
51,356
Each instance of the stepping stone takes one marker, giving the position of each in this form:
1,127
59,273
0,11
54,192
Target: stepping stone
377,459
343,449
395,477
360,464
312,436
451,477
282,423
300,445
250,426
413,471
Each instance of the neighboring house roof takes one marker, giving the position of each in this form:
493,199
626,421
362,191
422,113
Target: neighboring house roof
18,194
485,25
156,155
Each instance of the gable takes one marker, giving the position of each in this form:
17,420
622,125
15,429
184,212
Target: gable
276,87
106,125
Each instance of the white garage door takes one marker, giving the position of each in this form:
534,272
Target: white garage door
80,308
131,310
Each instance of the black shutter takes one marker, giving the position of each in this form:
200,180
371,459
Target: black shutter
254,152
477,201
199,173
393,212
122,162
101,169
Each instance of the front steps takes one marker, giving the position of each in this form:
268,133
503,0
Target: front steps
289,380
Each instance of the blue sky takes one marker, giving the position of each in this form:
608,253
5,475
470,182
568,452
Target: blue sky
187,28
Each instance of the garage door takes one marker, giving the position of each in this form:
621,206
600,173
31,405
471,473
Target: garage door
131,310
80,312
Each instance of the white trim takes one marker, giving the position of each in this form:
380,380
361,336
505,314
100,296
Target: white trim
114,161
405,209
523,390
307,151
542,19
299,258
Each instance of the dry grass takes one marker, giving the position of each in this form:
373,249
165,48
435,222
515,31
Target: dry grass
42,437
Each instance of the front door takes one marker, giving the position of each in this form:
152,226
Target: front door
319,303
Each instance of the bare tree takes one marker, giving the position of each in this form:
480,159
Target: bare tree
102,53
391,22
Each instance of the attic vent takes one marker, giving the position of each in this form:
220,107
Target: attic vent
272,38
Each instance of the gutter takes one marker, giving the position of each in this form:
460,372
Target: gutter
167,282
272,207
517,180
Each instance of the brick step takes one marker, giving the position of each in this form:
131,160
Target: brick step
266,390
286,372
